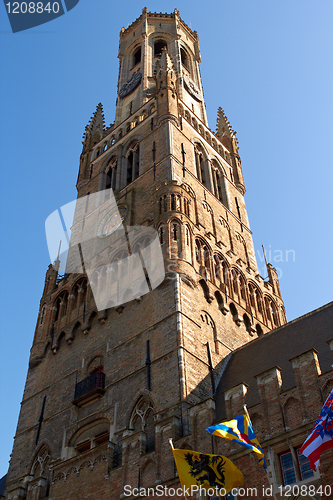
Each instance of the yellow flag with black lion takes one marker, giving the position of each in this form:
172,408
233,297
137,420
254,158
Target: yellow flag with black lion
206,471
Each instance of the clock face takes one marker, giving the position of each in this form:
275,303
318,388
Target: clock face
130,84
111,222
192,88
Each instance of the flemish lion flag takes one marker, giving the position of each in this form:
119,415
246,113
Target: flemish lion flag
207,471
240,430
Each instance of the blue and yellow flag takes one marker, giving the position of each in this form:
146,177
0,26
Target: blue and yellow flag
240,430
198,471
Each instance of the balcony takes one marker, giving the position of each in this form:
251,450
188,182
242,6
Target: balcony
89,389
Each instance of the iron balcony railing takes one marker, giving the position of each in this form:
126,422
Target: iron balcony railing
94,381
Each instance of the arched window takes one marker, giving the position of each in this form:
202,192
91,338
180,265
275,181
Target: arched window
137,56
142,419
203,257
175,240
61,306
158,46
40,474
198,251
175,231
271,312
259,301
200,166
184,59
187,236
91,435
252,297
206,257
133,163
119,266
242,287
173,202
239,285
111,174
186,207
219,184
80,292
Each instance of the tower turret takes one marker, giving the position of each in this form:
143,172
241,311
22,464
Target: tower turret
166,93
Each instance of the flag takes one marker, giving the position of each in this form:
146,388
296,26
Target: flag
206,471
240,430
321,437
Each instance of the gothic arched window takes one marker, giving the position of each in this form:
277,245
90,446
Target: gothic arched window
158,46
200,166
184,59
61,306
198,251
252,297
40,474
142,419
259,301
111,174
219,184
187,236
271,312
80,292
137,56
133,163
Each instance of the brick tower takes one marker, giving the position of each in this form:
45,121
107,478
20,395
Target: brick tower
106,389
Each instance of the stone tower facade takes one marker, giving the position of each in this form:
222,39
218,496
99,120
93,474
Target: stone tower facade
107,389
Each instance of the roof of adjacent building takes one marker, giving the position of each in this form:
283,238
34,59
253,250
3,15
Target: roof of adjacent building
2,484
277,348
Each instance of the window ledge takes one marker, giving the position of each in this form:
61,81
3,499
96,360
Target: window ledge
88,398
282,489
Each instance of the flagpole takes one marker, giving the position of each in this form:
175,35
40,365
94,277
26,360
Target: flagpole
171,443
270,483
268,478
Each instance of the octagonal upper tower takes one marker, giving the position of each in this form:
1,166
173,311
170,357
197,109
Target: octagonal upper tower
140,49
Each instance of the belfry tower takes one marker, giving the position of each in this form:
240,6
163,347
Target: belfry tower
107,389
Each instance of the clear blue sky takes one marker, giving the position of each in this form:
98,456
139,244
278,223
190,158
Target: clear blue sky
268,64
